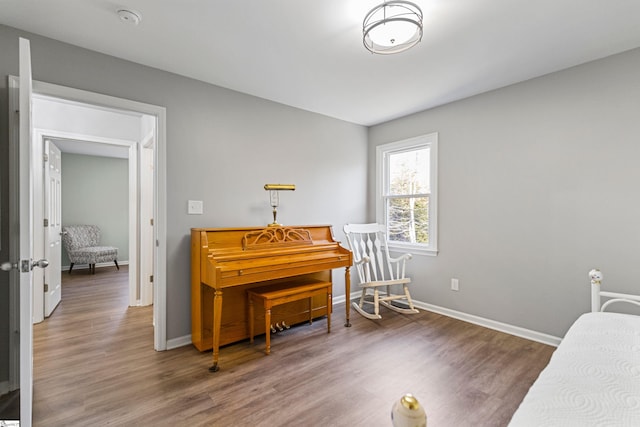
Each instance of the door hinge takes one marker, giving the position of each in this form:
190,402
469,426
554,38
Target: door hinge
151,221
46,222
46,287
45,157
151,278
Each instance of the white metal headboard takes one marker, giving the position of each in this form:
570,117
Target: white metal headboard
596,293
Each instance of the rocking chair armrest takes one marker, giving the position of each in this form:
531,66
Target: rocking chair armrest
364,260
403,257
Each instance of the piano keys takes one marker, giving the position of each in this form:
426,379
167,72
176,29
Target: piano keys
226,262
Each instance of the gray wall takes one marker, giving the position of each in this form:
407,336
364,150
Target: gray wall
537,180
538,183
222,147
95,190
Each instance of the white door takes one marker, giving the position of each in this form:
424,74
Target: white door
146,226
21,235
53,226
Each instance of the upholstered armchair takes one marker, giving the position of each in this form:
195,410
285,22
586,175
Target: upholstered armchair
82,243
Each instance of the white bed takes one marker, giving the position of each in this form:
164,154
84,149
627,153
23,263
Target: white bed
593,377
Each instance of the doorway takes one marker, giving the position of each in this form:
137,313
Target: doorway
103,190
139,130
20,177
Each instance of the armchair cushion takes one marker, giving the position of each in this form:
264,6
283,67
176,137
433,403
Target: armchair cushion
82,243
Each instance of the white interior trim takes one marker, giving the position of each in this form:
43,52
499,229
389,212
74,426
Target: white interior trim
470,318
134,214
492,324
476,320
160,230
38,214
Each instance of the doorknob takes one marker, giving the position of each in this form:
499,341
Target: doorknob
42,263
7,266
26,265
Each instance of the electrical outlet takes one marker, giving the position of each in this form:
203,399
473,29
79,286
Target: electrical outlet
455,285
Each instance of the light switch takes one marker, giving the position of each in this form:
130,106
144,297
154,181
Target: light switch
195,207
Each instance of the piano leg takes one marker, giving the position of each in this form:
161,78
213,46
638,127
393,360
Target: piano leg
347,294
267,327
217,320
251,328
329,308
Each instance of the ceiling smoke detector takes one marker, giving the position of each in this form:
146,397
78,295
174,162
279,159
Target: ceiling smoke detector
129,16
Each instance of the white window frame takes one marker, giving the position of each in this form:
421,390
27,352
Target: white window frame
382,177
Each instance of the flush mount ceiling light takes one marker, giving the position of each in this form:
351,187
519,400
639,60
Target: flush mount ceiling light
129,16
392,27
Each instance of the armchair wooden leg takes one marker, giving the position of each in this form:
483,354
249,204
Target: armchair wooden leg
117,266
70,268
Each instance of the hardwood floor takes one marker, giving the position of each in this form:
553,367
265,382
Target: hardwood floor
94,365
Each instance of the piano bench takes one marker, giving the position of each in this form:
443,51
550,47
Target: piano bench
287,292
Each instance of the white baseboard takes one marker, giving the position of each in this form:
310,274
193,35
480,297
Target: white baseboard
477,320
178,342
470,318
186,339
491,324
340,299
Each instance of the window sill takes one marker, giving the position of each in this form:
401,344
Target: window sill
412,249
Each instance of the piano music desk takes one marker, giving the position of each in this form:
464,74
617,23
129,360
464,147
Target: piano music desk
286,293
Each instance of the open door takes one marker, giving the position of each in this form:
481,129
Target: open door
53,226
146,226
21,234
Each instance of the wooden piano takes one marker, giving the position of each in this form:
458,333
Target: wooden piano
226,262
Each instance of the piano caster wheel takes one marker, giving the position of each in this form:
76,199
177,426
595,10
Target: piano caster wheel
348,324
273,330
284,325
280,328
214,368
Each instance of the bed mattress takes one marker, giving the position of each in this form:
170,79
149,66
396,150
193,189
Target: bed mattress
592,379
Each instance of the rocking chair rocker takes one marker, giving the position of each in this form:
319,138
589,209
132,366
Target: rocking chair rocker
377,270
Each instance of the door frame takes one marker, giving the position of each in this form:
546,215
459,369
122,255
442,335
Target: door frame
159,184
39,136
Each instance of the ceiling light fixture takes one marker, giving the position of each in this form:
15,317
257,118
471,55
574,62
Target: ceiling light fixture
392,27
129,16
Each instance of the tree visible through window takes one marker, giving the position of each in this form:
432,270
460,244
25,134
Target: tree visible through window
407,170
408,196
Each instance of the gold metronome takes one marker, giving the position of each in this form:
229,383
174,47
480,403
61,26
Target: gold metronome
274,198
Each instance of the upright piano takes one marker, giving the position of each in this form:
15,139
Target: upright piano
226,262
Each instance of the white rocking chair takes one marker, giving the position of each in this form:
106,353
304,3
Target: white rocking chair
377,269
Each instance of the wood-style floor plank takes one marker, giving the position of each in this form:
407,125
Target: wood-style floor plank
94,365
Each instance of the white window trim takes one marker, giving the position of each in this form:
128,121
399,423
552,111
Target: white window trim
430,140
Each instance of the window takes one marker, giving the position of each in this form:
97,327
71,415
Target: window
407,193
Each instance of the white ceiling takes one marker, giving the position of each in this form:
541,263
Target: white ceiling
309,53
